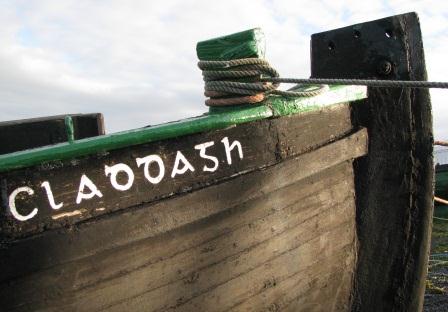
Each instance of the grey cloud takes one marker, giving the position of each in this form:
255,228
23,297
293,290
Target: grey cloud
135,61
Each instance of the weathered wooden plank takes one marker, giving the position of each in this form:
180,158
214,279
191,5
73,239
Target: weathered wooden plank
18,135
262,143
250,283
326,290
264,214
296,136
247,241
91,270
201,257
164,216
395,182
226,284
329,294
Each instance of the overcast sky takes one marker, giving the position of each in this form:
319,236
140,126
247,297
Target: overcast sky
135,61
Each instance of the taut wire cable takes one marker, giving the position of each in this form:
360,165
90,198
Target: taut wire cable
250,80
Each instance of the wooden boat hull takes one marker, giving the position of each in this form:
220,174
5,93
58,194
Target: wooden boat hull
273,234
269,207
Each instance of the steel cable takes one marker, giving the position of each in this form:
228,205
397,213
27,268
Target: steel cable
250,80
239,82
363,82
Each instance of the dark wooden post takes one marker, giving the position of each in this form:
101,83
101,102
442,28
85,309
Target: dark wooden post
395,181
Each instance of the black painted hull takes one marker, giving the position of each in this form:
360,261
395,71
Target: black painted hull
312,214
274,229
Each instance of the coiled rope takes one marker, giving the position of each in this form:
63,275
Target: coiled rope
250,80
239,82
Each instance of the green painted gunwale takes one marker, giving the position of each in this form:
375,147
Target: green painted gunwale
217,118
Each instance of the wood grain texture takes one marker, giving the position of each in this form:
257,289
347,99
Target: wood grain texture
274,231
263,142
395,182
276,250
150,220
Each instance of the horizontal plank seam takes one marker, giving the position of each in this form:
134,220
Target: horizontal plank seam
261,264
358,133
340,253
240,274
230,210
214,238
242,225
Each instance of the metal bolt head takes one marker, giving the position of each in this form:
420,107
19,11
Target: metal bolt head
384,67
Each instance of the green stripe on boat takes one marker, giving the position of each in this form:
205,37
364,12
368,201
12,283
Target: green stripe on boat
217,118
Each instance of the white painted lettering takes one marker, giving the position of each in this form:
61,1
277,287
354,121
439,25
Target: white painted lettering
86,182
229,147
122,178
201,148
113,172
47,187
147,161
187,165
12,203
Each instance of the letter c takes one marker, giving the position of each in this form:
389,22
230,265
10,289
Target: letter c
12,203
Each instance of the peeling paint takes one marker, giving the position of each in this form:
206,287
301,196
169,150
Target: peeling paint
69,214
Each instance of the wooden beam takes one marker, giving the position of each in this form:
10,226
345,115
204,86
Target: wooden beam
395,182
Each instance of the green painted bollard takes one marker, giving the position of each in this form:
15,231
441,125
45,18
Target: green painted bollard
245,44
